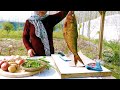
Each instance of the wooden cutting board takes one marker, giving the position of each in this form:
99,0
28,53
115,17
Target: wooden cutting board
66,71
19,73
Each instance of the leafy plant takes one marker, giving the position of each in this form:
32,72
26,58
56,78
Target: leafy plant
112,54
8,26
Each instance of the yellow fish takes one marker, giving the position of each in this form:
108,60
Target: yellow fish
70,34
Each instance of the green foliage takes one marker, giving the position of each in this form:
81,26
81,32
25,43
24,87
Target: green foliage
8,26
0,25
115,69
95,41
80,25
58,27
58,34
112,52
18,25
84,38
12,34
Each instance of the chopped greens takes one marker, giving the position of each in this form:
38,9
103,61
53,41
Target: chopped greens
35,63
31,63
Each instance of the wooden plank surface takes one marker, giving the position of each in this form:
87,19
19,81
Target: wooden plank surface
67,71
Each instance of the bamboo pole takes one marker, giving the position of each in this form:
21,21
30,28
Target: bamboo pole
102,15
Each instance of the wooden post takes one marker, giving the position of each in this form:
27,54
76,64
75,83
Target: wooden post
0,50
102,14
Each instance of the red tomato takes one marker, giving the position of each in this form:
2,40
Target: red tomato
20,62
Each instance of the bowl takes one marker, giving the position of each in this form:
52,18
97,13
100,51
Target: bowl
32,69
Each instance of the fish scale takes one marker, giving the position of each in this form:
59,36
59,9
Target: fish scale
70,34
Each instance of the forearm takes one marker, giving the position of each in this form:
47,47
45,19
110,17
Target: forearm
59,16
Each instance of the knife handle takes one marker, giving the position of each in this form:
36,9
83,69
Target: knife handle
61,53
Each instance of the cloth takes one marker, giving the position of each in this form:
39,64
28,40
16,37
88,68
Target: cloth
94,66
40,31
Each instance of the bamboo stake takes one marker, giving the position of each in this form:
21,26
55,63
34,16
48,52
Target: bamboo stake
102,14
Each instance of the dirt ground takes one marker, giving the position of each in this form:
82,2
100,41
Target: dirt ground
59,45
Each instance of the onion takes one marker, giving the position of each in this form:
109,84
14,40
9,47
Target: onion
5,66
1,62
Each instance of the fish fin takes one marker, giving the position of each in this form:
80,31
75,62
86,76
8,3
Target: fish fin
76,58
81,61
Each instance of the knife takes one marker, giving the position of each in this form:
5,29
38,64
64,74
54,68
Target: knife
63,57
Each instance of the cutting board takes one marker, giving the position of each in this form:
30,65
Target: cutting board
19,73
67,71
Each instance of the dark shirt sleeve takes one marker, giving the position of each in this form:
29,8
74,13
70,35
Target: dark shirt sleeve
56,18
26,36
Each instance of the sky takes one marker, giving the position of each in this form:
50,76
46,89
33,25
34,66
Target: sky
20,16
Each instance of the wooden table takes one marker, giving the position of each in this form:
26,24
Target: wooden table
52,73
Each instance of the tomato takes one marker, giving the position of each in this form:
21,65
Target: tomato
20,62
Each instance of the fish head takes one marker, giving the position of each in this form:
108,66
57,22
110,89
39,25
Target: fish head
70,19
70,16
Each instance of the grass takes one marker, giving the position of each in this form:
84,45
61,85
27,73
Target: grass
110,54
115,70
12,34
12,38
18,34
58,34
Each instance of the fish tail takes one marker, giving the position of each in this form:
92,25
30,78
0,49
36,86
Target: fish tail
76,58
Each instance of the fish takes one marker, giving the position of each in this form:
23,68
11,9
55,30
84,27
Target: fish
70,34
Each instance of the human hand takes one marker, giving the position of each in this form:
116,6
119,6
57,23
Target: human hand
71,12
31,53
